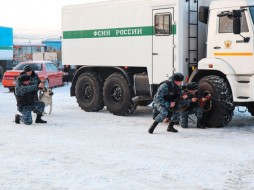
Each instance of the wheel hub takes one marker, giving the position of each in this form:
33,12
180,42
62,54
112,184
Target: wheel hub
207,105
116,94
88,92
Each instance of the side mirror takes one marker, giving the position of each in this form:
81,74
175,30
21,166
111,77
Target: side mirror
237,25
203,14
237,14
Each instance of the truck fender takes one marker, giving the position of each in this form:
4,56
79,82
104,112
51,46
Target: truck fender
214,64
125,74
217,67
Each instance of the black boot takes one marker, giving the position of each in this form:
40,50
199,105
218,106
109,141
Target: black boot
171,128
17,119
200,125
39,120
151,129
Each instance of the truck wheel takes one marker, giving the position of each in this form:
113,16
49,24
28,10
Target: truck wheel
89,92
251,108
117,95
221,111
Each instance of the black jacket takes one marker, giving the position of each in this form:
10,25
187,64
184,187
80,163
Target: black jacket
25,94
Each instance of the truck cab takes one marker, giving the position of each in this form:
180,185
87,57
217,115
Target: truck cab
227,72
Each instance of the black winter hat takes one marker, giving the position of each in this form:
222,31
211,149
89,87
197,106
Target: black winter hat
27,68
192,86
24,77
178,77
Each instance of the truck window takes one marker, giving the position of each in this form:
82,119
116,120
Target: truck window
226,24
163,24
252,13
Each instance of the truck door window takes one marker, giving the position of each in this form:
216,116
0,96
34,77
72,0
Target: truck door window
252,13
226,24
162,24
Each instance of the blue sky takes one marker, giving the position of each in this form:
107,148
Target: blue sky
35,17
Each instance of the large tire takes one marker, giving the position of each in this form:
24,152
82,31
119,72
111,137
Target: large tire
89,92
117,95
251,108
222,106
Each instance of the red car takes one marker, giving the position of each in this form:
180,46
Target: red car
46,70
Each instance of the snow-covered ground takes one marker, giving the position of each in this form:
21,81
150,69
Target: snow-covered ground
77,150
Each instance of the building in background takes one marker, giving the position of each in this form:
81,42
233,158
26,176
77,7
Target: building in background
47,50
14,50
24,51
53,51
53,45
6,49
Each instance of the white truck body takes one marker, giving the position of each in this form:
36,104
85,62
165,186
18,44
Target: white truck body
127,34
119,33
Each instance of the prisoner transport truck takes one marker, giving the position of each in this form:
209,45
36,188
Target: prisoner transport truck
124,49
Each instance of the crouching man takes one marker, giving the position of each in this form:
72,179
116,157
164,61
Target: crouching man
164,100
24,93
193,108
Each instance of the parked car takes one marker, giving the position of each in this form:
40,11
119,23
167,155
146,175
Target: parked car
46,70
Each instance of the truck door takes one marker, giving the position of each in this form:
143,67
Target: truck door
229,47
163,40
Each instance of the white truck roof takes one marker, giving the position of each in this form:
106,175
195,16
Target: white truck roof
218,4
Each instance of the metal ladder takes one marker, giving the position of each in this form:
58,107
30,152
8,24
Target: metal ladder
192,34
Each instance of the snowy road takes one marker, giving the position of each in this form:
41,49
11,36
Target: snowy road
77,150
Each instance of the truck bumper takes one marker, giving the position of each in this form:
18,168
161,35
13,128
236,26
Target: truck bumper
242,87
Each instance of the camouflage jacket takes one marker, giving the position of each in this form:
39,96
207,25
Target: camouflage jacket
24,94
34,78
21,89
166,93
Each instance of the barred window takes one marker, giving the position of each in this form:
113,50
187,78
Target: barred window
163,24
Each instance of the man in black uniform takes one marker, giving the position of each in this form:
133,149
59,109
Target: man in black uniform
34,78
194,107
164,100
26,103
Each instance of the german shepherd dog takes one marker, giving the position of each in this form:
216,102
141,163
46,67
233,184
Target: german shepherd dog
45,95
